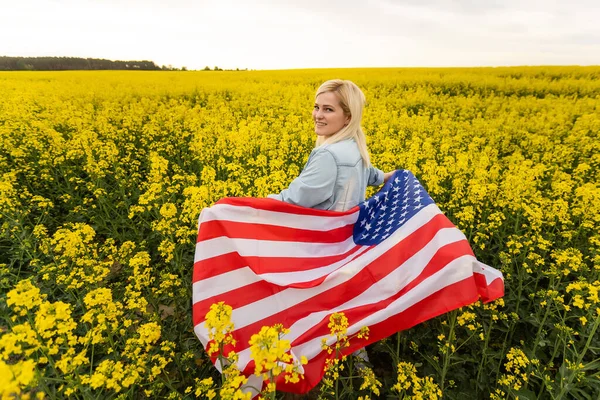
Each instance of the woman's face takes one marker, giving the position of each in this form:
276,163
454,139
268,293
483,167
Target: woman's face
328,115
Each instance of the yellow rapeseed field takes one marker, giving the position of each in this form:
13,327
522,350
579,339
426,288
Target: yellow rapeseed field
103,176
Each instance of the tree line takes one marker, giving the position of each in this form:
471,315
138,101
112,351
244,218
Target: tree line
74,63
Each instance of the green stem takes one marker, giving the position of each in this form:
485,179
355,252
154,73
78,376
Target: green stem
580,358
447,354
484,353
537,335
397,360
337,380
222,364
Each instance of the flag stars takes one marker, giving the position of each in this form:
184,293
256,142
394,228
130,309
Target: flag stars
385,212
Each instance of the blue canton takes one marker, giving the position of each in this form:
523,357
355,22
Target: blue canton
400,198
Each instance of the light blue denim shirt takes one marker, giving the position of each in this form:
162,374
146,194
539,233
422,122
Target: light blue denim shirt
334,178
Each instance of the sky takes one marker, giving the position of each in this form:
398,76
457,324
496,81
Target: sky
289,34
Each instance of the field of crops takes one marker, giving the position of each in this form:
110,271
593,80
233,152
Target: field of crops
103,176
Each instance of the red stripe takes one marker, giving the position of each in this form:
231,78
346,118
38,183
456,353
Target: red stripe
243,230
280,206
340,294
236,298
215,266
490,292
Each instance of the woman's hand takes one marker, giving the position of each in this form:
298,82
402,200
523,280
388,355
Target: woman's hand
387,175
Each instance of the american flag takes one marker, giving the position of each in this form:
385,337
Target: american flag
389,263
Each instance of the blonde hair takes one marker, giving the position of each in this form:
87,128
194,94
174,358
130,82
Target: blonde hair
352,100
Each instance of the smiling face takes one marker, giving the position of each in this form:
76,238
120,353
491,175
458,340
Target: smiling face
328,115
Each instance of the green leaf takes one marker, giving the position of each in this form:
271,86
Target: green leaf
526,394
580,394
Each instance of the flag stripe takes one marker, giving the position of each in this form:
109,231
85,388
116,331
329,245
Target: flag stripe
277,213
215,266
242,230
269,248
489,291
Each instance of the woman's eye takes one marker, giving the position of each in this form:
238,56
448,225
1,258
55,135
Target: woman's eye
329,109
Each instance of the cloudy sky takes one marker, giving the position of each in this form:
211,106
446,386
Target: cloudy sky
270,34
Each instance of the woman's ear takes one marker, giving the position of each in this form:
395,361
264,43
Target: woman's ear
348,118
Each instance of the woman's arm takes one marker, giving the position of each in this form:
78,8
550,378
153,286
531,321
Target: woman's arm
315,183
377,176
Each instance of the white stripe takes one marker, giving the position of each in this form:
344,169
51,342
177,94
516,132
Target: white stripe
223,283
286,278
490,273
250,215
269,248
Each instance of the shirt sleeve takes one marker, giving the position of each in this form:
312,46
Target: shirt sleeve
315,183
375,176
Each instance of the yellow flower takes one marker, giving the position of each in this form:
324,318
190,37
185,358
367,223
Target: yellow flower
219,325
24,297
370,382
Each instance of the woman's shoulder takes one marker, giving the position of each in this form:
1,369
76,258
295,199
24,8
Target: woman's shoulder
342,151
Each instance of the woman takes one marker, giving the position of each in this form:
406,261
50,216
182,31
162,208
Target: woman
338,169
